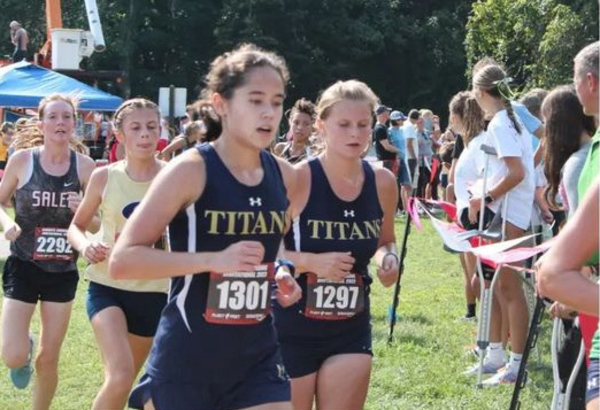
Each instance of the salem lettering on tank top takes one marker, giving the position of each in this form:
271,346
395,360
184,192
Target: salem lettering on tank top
42,211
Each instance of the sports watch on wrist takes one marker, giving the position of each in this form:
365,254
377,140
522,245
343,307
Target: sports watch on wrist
489,198
288,264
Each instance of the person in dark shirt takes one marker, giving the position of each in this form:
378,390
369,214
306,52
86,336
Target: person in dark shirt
384,149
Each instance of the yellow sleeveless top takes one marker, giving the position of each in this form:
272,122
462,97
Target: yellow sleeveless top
121,195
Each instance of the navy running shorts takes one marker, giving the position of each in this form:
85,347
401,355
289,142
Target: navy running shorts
142,309
267,383
593,381
302,358
27,282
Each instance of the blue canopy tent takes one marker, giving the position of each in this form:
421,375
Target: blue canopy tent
24,85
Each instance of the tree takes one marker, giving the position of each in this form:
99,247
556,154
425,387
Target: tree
535,39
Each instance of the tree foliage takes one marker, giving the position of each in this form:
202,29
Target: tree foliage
411,52
535,39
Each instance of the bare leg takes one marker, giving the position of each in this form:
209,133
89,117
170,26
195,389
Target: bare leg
16,317
468,262
303,391
55,321
509,285
122,353
343,382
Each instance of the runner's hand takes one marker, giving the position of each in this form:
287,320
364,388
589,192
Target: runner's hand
74,201
288,291
95,252
388,272
241,256
12,232
333,266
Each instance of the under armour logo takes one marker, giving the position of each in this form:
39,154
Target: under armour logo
255,201
281,373
348,213
592,384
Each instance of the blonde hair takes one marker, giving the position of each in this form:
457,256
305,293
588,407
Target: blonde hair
353,90
28,135
426,113
471,115
131,105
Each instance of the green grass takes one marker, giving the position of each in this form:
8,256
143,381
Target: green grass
420,370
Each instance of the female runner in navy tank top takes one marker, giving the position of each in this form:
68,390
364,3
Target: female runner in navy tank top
343,218
225,206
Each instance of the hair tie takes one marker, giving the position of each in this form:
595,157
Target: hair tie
506,81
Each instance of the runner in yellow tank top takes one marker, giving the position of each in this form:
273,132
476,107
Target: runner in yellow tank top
124,313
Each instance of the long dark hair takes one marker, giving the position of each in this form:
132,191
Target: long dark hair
228,72
565,122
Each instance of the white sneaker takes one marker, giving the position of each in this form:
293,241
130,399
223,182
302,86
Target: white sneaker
508,376
489,367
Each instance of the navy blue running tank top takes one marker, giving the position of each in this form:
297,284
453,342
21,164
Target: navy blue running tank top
217,327
330,224
42,211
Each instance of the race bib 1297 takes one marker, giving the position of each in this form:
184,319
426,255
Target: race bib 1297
327,300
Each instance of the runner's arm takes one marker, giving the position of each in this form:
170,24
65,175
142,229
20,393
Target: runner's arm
85,215
386,256
331,265
17,163
86,167
134,257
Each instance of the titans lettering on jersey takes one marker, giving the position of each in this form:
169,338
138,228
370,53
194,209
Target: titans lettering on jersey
244,222
335,230
48,199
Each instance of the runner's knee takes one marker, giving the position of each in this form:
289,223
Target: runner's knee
46,361
13,356
121,379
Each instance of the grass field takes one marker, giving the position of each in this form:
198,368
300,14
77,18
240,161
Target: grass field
422,369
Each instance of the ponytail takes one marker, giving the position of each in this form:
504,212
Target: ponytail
511,114
473,119
465,107
210,118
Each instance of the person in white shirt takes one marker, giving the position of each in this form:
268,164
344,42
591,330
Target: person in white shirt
409,129
467,118
510,174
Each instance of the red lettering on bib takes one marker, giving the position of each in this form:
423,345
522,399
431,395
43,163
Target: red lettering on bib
51,245
327,300
240,298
